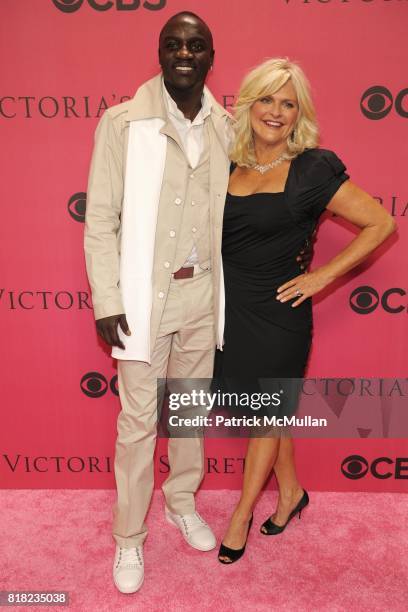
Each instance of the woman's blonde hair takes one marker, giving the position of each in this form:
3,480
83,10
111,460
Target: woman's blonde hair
264,80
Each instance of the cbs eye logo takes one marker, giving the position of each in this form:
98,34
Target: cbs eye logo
377,101
70,6
77,206
354,467
94,384
365,300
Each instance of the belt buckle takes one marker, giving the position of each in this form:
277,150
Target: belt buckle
184,273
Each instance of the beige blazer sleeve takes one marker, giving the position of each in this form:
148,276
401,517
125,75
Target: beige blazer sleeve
102,220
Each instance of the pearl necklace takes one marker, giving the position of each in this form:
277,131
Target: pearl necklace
262,168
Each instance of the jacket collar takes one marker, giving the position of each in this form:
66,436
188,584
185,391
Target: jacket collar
148,102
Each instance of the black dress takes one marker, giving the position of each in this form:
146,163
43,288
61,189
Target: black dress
263,234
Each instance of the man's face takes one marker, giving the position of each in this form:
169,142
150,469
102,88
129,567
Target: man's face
185,52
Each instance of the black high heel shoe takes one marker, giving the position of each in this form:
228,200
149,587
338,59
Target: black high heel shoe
269,527
233,553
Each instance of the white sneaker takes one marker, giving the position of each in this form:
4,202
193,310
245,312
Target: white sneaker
128,569
194,529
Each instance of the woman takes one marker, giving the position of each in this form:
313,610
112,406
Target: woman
280,184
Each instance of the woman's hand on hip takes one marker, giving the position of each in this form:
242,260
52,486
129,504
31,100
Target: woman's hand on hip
302,287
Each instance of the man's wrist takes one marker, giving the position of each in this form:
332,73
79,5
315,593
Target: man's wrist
108,309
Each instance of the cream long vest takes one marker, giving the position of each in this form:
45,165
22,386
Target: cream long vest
140,224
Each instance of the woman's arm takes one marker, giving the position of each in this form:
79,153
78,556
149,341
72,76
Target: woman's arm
356,206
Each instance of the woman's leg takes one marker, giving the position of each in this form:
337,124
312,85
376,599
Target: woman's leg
290,491
260,458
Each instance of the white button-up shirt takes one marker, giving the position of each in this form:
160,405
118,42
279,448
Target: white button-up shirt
192,138
191,132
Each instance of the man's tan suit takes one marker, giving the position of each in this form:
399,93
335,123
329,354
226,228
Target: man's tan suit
186,315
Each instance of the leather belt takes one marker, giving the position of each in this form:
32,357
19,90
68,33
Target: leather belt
184,273
188,272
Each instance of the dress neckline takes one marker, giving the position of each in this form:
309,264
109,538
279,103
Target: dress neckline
249,195
233,195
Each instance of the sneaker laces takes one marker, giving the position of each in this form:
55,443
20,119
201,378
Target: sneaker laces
130,557
192,521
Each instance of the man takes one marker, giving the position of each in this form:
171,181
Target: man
156,192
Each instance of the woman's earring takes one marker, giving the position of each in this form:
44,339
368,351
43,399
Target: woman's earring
293,136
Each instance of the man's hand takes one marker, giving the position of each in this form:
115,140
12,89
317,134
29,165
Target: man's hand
306,254
108,329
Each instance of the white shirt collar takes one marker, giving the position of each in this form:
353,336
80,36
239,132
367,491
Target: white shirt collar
173,109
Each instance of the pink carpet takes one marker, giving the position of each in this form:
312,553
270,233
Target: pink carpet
347,553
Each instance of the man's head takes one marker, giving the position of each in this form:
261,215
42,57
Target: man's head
186,51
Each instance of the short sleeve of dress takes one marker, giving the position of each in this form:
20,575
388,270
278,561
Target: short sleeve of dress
314,179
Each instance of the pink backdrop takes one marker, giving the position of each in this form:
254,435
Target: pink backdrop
60,69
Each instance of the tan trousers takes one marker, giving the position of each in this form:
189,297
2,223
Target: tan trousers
184,349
